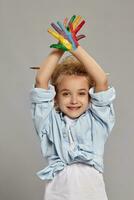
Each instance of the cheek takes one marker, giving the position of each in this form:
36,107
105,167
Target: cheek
59,100
87,100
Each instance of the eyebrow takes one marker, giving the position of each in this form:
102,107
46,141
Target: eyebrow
82,89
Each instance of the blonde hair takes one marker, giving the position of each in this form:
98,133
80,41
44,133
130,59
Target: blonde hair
69,66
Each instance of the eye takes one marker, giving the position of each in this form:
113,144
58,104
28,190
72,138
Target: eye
65,94
82,93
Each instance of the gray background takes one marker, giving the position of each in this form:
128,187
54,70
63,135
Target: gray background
24,42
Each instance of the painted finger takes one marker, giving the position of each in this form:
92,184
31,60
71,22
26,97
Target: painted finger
63,28
71,20
61,32
59,46
66,43
79,26
74,40
54,34
71,27
67,34
56,28
65,22
79,37
76,21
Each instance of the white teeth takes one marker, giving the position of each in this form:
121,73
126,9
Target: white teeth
73,108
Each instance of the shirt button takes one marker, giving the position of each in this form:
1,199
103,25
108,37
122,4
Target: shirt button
64,134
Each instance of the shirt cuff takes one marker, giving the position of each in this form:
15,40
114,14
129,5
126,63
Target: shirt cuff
39,95
102,98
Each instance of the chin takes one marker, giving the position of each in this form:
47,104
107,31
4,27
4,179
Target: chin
74,116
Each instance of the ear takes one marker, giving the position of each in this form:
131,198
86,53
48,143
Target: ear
89,97
56,103
92,83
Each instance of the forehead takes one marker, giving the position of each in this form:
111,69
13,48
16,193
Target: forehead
71,82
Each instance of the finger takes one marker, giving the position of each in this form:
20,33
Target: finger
68,35
62,27
54,34
74,40
76,21
65,32
66,43
79,26
65,22
56,28
80,37
61,32
71,27
71,21
59,46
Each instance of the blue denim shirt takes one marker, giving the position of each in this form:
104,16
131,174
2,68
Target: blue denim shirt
89,132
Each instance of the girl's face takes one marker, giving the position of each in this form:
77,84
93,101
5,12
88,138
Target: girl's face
73,97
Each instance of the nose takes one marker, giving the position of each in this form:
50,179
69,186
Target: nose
73,99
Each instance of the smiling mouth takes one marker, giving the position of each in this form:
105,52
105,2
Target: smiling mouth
73,108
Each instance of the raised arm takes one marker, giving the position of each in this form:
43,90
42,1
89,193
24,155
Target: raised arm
94,70
69,41
47,68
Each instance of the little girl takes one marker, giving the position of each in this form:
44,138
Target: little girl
73,116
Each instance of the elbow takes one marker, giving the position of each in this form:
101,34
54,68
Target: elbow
105,82
101,80
101,85
39,83
104,79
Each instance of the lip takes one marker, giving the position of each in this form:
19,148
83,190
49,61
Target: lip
73,108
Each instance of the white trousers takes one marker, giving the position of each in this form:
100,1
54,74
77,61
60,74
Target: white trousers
76,182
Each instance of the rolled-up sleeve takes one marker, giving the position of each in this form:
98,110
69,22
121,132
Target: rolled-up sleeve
101,107
42,104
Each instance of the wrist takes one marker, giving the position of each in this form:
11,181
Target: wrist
74,51
57,51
